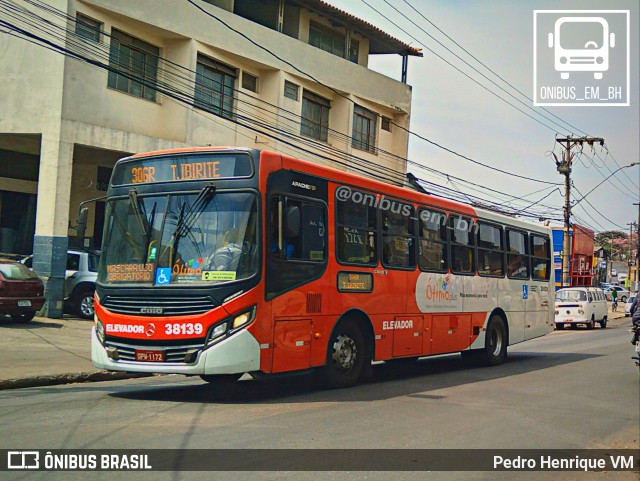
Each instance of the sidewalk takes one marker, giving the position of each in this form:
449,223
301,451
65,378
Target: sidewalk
46,351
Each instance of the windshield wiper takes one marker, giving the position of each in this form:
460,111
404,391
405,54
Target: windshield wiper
135,206
185,221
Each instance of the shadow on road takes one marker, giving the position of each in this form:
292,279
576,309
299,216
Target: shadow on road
7,322
417,379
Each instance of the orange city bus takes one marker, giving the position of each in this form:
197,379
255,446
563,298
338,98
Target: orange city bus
223,261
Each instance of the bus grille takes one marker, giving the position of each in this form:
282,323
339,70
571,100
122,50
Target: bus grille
180,353
158,306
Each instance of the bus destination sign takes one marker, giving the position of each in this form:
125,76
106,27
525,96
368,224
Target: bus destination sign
355,282
178,168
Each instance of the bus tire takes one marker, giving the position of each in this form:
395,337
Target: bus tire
591,323
346,356
495,342
603,323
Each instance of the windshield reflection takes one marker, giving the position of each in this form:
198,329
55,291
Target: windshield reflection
202,238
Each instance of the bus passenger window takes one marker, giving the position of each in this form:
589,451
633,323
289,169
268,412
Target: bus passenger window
462,239
432,246
398,243
517,255
541,258
356,225
490,250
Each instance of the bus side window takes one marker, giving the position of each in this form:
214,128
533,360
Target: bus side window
517,255
432,245
490,250
462,240
356,226
541,258
398,242
298,229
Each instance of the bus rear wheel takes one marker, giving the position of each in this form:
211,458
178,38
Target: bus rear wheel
346,356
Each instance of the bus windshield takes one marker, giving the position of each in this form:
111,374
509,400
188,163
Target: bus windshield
200,238
571,296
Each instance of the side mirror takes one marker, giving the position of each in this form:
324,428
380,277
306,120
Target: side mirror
293,222
82,223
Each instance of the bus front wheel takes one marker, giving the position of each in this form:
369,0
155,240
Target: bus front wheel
346,356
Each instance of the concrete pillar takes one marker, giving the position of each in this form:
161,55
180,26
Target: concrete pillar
52,221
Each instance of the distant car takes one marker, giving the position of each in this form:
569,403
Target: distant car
80,280
623,294
614,273
21,291
627,306
604,285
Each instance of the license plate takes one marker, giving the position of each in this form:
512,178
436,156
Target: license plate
25,303
146,355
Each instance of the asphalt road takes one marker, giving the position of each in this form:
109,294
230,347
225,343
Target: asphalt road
570,389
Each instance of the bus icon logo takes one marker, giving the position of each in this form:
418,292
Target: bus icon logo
581,44
581,58
23,460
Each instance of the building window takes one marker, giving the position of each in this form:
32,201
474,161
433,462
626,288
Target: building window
364,129
326,39
249,82
291,90
315,116
354,50
385,124
214,87
87,28
136,65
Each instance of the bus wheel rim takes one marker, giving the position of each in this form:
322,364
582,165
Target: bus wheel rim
496,342
345,352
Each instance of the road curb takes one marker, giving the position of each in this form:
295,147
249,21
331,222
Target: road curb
71,378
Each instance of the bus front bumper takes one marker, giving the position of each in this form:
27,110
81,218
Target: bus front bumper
237,354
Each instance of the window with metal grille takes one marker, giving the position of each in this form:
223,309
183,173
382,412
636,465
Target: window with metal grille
315,116
134,64
363,136
214,87
249,82
291,90
88,28
385,124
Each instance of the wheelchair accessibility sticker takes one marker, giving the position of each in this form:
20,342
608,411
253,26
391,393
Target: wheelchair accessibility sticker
163,276
525,292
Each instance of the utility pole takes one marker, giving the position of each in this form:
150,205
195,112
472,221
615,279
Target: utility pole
630,260
637,249
564,168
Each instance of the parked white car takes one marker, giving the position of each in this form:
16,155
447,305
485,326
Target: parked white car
581,305
627,306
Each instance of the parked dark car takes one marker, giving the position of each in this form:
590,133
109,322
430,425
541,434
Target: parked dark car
21,291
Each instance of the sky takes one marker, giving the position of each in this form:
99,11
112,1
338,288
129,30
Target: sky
452,110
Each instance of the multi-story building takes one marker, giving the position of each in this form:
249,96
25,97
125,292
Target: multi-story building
86,82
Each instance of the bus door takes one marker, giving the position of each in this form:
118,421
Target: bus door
538,304
295,263
516,295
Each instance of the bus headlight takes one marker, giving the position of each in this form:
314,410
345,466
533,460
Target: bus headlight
230,325
100,331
